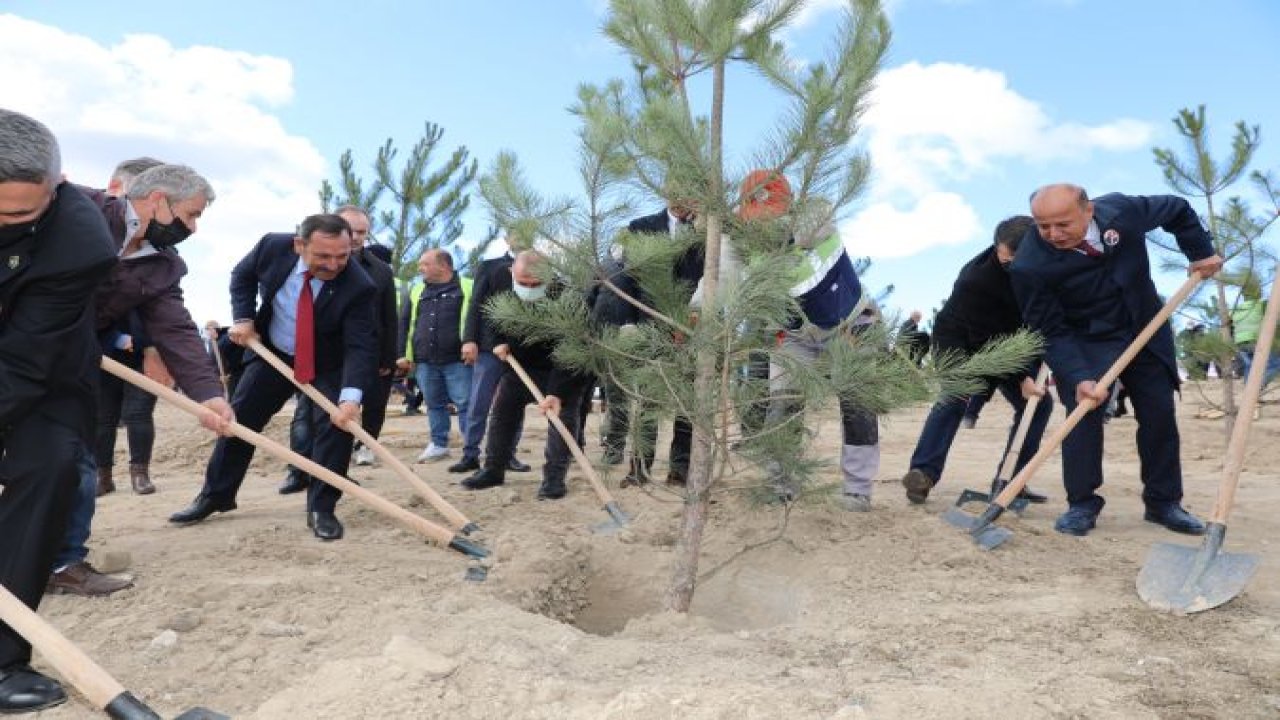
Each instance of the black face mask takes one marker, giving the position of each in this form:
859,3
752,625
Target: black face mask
10,234
163,235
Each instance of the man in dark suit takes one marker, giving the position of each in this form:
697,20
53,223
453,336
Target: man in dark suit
374,407
688,270
1083,280
336,352
54,251
479,337
981,309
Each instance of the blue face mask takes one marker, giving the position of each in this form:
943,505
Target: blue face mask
529,294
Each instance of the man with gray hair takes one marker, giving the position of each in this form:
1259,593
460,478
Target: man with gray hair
54,251
125,173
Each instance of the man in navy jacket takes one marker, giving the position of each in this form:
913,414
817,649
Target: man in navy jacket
1083,280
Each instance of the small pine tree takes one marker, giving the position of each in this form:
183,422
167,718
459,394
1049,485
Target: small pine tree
1237,233
415,206
684,362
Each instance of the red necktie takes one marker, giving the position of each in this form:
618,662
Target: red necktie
1088,249
304,351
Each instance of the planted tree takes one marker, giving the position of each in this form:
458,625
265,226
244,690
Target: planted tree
684,359
1237,232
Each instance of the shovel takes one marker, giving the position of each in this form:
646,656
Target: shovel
618,519
211,330
987,535
441,535
1184,580
455,517
79,669
1011,456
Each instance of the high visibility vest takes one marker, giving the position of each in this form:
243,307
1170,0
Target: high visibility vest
415,294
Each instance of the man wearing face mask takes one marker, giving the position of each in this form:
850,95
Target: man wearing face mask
161,209
562,389
54,251
982,308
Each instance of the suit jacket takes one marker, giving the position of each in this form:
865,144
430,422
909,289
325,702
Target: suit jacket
981,307
149,286
346,345
492,277
1089,308
49,352
688,268
384,316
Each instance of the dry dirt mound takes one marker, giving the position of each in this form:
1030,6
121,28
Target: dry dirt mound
891,614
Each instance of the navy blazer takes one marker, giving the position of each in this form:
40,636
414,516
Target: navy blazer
346,341
1056,288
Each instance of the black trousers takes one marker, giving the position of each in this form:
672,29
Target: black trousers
118,400
644,443
40,479
373,414
1151,389
506,416
260,394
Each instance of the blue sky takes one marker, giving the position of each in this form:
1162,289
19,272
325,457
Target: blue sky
980,102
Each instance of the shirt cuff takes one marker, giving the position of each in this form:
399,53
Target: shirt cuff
123,341
352,395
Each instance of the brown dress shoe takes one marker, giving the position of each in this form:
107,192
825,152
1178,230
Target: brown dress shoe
82,579
140,478
105,484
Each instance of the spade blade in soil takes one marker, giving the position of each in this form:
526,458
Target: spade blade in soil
977,496
127,706
1185,580
618,520
985,533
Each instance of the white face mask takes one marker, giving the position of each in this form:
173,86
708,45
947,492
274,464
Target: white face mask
529,294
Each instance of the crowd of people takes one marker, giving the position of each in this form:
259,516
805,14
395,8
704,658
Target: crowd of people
90,273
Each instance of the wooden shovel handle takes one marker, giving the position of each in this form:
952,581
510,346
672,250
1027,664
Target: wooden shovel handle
1051,445
455,517
211,330
601,491
69,660
1028,411
1244,415
420,525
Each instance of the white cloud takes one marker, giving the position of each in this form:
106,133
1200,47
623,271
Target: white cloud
206,107
932,128
882,230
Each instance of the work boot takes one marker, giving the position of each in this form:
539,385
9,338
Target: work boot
140,478
105,484
918,484
552,489
84,580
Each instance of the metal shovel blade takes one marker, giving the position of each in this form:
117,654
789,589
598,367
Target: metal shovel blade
977,496
618,520
127,706
1185,580
200,713
985,533
470,548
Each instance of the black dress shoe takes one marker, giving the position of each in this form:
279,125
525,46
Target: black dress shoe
484,480
295,482
466,464
1076,521
325,525
24,690
200,508
552,489
1173,517
514,465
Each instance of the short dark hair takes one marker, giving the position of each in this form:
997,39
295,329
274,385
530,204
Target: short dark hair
323,223
1010,231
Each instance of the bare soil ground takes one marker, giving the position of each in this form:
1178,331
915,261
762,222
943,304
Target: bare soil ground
888,614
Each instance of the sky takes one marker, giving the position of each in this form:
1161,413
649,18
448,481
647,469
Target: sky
979,103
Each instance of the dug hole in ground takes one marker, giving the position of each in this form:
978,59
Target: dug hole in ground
887,614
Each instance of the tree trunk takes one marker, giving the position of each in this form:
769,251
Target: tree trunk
1226,374
684,576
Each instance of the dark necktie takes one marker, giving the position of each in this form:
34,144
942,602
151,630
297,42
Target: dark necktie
304,350
1088,249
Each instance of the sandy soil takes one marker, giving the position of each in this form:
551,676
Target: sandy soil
891,614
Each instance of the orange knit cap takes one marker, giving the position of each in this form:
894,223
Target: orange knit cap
764,195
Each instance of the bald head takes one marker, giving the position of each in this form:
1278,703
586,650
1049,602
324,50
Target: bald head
1062,213
436,266
527,268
